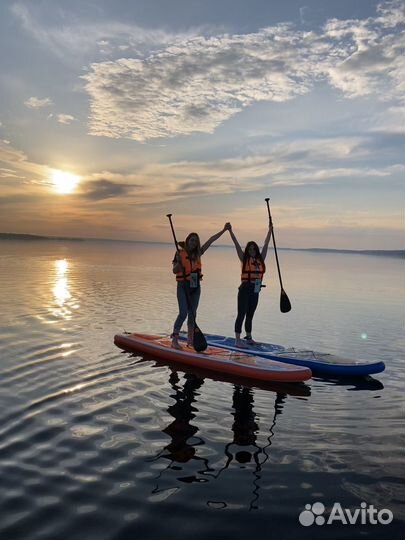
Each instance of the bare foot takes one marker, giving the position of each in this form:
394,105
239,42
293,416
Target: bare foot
176,344
240,344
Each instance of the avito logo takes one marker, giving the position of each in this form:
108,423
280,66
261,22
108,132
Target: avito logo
366,514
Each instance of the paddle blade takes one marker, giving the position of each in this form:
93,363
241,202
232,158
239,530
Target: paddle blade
285,305
199,341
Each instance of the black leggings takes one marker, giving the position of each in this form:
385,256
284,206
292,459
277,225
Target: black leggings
247,304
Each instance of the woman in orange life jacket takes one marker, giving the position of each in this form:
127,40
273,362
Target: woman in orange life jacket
253,269
187,267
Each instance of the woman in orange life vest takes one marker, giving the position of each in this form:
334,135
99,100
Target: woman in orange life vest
187,267
253,269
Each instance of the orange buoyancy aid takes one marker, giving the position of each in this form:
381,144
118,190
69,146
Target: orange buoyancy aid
190,266
253,269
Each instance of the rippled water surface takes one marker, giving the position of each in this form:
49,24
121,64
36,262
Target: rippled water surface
97,443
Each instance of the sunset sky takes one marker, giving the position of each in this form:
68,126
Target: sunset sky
114,113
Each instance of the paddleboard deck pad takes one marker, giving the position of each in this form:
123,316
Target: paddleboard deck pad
318,362
239,363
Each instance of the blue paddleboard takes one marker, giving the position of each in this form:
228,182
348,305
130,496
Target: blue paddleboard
320,363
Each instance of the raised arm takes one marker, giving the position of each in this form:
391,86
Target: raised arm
239,250
211,240
266,241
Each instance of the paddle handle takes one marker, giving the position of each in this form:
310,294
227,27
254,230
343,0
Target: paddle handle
173,233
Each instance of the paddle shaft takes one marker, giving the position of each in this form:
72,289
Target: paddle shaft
174,234
274,244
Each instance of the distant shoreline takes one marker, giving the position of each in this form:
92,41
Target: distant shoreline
35,238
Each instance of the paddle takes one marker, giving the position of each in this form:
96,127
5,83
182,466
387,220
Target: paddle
285,305
199,341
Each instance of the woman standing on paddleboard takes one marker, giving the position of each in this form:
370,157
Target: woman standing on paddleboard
187,267
253,269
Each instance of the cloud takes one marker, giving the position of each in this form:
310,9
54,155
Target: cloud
65,118
19,199
96,190
72,40
37,103
156,183
304,161
322,149
392,119
308,175
18,166
8,154
391,13
331,159
177,84
372,57
195,84
307,162
299,163
304,11
152,183
9,174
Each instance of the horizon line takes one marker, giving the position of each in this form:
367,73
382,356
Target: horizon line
30,236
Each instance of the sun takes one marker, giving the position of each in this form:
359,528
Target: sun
64,182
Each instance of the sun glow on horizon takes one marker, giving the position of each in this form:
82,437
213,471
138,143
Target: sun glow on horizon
64,182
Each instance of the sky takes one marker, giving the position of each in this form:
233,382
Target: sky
115,113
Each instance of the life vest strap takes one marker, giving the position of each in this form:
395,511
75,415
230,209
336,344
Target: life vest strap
187,276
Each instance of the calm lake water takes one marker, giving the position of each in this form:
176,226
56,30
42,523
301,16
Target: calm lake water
97,443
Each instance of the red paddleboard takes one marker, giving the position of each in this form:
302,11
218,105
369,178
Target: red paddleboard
213,358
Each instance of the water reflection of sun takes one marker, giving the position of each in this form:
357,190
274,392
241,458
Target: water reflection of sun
61,287
62,301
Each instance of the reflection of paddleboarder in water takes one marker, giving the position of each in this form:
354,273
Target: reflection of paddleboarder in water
181,430
180,449
245,431
243,448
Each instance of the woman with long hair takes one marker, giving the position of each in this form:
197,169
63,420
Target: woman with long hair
253,269
187,267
